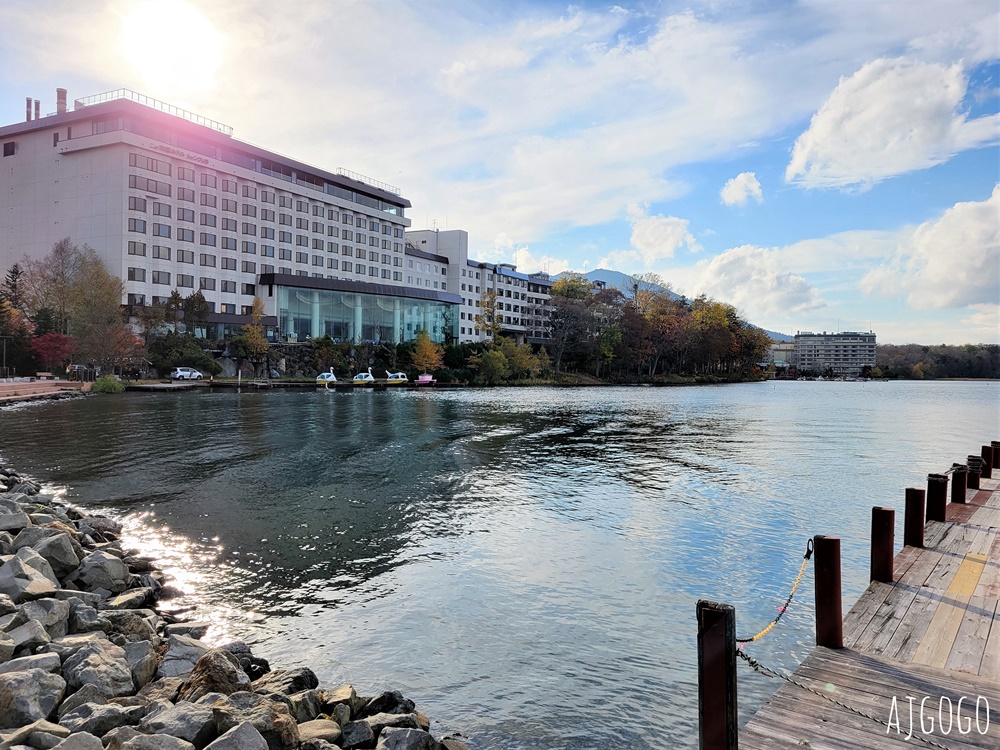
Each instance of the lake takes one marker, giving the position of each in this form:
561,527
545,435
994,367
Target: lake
522,563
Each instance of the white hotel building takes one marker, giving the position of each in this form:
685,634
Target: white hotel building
171,201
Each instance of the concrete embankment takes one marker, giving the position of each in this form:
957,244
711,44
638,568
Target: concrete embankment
13,391
88,661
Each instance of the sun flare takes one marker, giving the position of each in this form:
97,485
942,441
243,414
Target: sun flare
171,46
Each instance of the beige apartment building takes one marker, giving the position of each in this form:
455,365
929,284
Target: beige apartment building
845,353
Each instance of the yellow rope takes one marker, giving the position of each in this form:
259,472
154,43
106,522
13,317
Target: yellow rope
798,580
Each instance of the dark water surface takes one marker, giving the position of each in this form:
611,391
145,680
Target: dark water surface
523,563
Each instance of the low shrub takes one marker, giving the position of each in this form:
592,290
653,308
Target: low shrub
107,384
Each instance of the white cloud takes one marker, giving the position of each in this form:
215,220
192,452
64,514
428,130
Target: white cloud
986,319
892,116
654,239
755,280
951,262
526,262
741,188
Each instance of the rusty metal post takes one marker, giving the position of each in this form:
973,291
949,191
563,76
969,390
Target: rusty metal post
913,518
975,464
883,531
829,599
718,723
959,477
987,453
937,497
995,444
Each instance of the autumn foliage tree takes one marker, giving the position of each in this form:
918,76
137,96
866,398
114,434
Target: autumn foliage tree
427,356
53,350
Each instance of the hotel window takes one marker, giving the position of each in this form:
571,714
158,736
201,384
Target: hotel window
183,173
333,214
317,244
347,218
265,268
317,260
137,225
249,210
346,266
207,239
249,289
136,248
8,147
373,256
266,197
285,219
249,191
301,257
332,231
249,228
409,280
208,180
229,264
317,210
301,223
385,273
284,269
285,237
333,263
387,230
359,238
385,244
153,165
206,284
397,276
399,233
185,235
246,309
347,235
150,186
185,214
137,299
373,271
285,201
248,266
397,247
409,264
267,214
209,200
185,194
302,206
284,253
227,307
361,222
228,243
301,240
185,256
373,225
136,274
161,277
228,225
373,242
267,251
397,262
317,227
228,186
332,247
161,230
250,247
360,253
159,209
208,220
267,233
359,269
301,273
185,280
137,204
207,260
229,205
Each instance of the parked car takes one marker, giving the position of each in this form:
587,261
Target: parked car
185,373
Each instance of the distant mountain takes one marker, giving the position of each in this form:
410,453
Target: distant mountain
623,282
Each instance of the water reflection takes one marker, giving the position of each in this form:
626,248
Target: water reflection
524,563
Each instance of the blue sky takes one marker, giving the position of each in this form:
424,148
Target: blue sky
821,165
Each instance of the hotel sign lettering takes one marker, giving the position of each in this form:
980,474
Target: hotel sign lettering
178,152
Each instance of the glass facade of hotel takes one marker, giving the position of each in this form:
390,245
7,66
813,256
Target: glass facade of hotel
358,316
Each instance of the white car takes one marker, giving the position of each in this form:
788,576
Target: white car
185,373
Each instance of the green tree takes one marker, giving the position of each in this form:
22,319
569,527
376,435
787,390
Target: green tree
427,356
196,312
254,342
572,286
491,365
488,318
150,319
48,282
12,290
173,308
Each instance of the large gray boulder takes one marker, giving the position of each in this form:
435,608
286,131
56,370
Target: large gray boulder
356,734
181,656
70,644
131,622
22,735
287,681
406,739
29,695
241,737
46,662
99,663
157,742
378,722
29,636
269,716
86,694
14,521
81,741
101,570
60,552
6,647
305,705
100,718
189,721
53,614
216,671
319,729
23,577
389,702
142,660
85,619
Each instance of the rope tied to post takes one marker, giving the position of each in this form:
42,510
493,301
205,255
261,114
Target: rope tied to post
788,601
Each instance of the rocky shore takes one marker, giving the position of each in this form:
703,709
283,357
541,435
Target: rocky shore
87,662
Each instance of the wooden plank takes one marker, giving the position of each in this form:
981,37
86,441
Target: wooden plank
939,638
970,640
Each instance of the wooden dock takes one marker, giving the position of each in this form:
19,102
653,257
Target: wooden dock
932,635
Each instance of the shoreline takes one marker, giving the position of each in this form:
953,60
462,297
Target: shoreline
89,660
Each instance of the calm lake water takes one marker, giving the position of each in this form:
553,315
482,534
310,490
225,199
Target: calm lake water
525,563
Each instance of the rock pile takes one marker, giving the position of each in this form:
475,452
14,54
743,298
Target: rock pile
88,663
